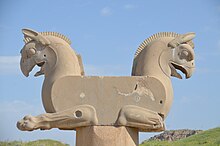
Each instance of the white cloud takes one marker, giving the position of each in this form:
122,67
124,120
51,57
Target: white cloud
9,64
129,6
17,106
185,99
106,11
7,28
218,44
218,8
14,110
9,59
106,70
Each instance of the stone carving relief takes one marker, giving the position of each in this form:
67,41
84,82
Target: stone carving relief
73,100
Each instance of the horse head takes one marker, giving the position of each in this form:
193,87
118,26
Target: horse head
36,52
44,50
181,56
169,51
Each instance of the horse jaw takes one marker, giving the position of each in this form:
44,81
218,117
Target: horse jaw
170,63
188,71
27,66
183,60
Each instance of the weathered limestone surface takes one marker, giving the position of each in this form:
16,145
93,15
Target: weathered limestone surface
95,105
109,95
106,136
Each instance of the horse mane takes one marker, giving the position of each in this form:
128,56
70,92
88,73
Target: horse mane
154,37
56,34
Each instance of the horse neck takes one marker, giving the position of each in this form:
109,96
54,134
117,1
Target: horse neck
149,61
150,66
67,62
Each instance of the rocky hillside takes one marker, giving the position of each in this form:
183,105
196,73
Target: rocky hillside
209,137
172,135
198,138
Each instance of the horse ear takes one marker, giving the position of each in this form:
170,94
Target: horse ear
29,33
188,36
35,36
181,39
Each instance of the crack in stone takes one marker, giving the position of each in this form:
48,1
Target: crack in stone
139,91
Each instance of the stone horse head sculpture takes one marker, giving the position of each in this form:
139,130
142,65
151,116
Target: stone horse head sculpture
73,100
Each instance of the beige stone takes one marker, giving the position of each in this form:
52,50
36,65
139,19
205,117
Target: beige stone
106,136
73,101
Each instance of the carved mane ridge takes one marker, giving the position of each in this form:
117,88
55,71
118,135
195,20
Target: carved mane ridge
56,34
154,37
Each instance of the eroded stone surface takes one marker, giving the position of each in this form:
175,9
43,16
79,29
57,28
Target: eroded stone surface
72,100
106,136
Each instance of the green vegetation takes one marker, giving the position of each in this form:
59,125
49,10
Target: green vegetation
207,138
45,142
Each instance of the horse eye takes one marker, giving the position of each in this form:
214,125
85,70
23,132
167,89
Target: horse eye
31,51
185,53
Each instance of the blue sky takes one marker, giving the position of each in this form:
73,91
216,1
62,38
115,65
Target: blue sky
107,34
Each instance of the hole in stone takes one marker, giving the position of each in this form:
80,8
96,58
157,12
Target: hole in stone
135,88
45,55
78,114
161,101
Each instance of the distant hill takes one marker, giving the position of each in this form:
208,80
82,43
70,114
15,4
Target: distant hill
205,138
173,135
45,142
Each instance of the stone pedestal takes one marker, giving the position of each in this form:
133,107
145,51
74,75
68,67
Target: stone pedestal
106,136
